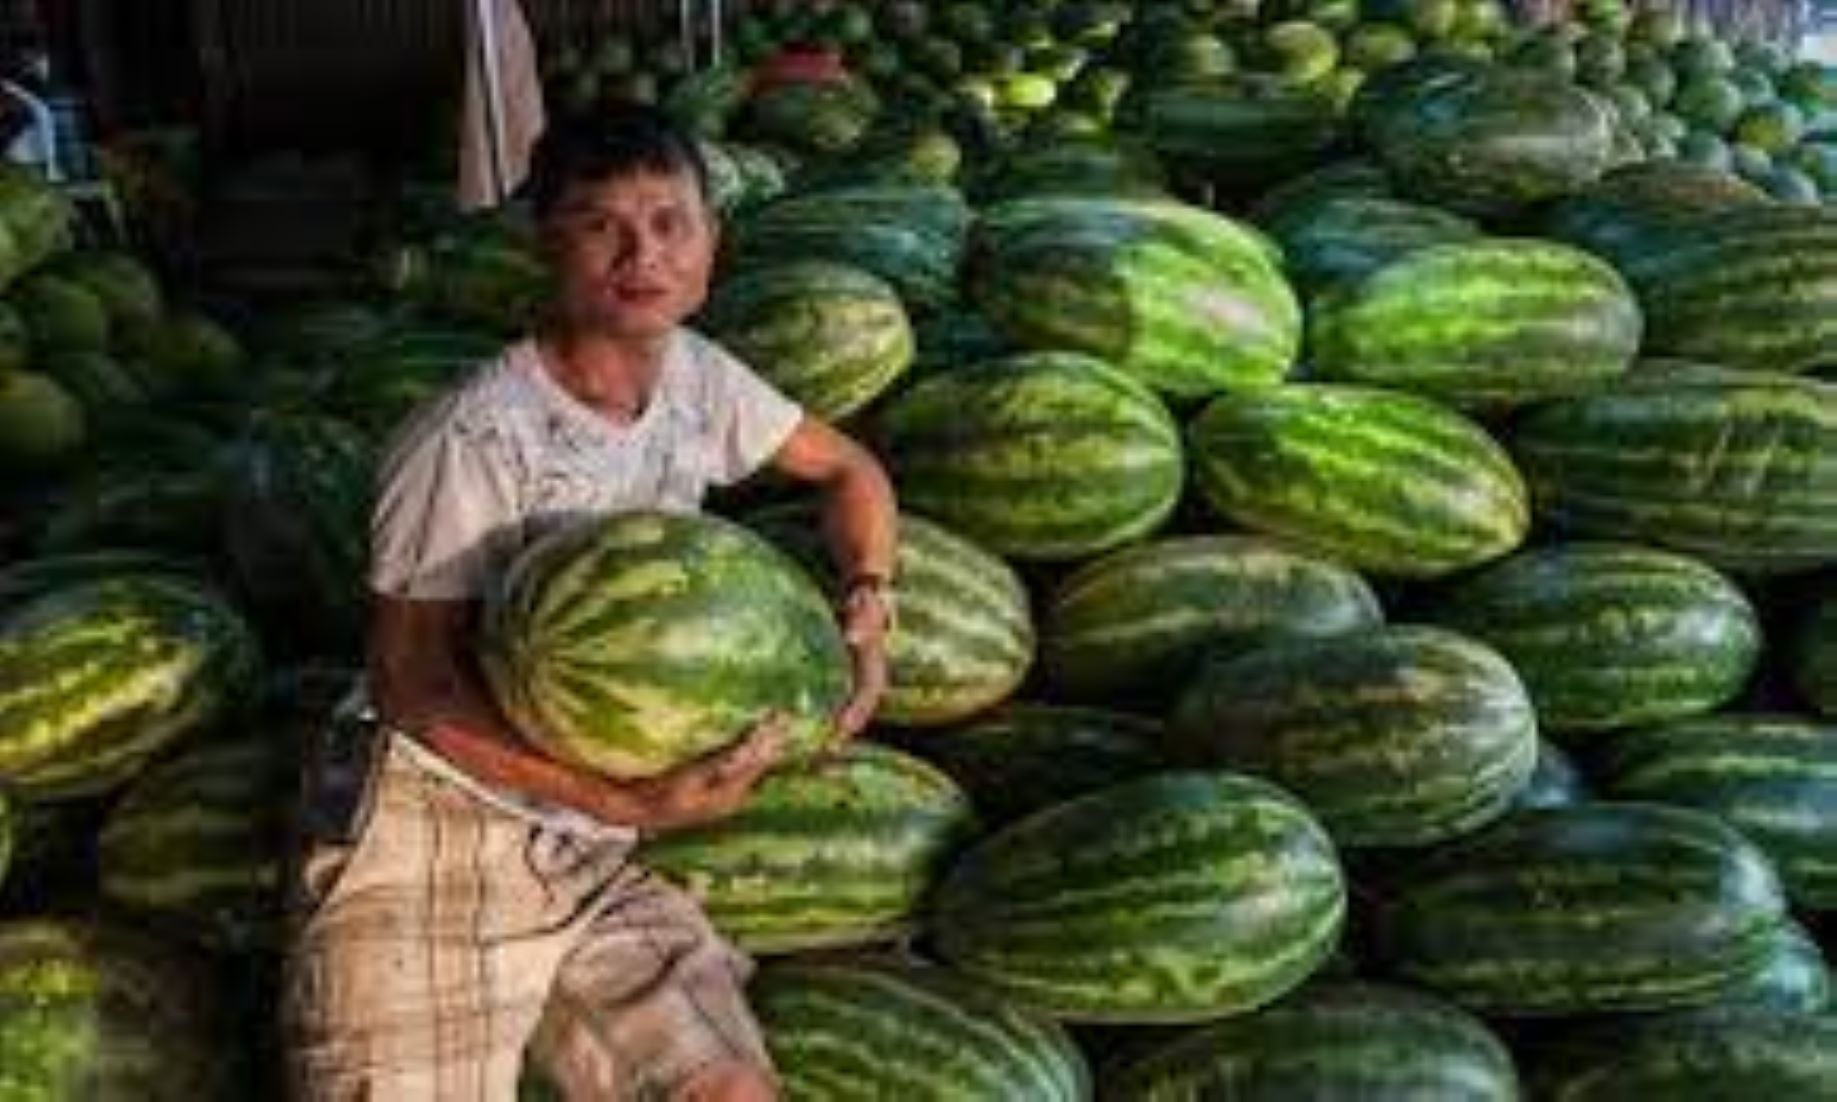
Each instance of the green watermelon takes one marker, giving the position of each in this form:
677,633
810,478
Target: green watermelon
1576,910
847,1031
1136,624
711,628
1394,736
964,637
910,236
831,336
1729,1054
25,579
1178,897
1484,324
1736,469
101,1014
159,508
128,291
191,354
486,273
1244,132
378,383
839,851
1023,758
1750,287
1774,777
1329,1040
297,529
40,220
1611,635
140,661
1048,456
1382,481
1639,208
1187,301
1794,978
1496,142
1339,240
195,843
106,388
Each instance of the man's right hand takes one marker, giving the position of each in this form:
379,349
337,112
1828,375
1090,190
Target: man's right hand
716,785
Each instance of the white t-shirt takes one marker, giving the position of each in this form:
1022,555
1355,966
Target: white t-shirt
506,456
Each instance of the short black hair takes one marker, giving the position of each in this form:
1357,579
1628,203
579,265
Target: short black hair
620,140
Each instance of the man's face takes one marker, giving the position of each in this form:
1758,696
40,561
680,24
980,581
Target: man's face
632,254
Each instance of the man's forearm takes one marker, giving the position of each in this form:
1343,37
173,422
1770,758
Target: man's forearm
459,722
860,522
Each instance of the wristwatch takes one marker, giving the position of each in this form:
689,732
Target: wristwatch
875,587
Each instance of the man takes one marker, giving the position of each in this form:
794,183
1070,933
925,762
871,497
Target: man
485,898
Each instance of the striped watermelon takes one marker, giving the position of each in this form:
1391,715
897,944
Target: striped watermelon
909,235
965,634
1576,910
1329,1040
1739,470
378,383
1178,897
98,676
1636,209
28,578
848,1031
298,525
1691,1057
1794,978
1485,324
831,336
1772,777
1752,287
487,273
1394,736
1023,758
632,644
1135,623
1815,656
1493,141
837,852
1611,635
1385,482
1184,300
195,842
1337,239
1047,456
92,1013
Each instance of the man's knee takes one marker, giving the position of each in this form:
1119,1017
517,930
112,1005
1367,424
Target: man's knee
734,1081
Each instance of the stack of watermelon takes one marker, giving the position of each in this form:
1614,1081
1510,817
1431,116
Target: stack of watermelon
1368,604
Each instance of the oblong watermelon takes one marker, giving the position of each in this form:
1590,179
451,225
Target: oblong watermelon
632,644
837,852
1773,777
964,638
89,1011
1135,623
831,336
846,1031
1729,1054
1394,736
99,676
1386,482
1737,469
1575,910
1485,324
1185,300
1611,635
1023,758
1047,456
195,843
1178,897
1330,1040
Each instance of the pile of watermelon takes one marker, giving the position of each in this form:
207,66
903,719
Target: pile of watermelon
1367,589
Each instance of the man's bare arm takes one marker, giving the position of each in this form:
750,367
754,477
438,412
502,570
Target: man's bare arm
424,682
